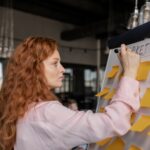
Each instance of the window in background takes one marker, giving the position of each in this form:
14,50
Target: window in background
90,80
67,82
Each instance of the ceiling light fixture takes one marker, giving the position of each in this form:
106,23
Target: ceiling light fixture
7,30
133,20
138,18
144,15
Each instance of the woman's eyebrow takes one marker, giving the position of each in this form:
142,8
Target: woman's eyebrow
56,58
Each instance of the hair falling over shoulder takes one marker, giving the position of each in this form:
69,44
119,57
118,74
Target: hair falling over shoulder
24,83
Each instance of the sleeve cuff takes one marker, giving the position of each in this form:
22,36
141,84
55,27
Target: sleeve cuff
128,93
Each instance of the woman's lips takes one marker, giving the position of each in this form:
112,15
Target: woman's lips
61,78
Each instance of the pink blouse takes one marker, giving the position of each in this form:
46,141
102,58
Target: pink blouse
51,126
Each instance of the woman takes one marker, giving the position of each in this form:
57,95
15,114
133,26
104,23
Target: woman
31,117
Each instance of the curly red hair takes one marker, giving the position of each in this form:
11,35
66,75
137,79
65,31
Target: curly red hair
24,83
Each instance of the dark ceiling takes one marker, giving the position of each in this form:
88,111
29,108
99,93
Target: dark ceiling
99,18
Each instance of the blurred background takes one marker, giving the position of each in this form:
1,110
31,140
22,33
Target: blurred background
82,28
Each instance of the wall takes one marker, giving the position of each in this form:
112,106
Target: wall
26,24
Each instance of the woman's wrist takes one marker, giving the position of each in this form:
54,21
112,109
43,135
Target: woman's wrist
131,74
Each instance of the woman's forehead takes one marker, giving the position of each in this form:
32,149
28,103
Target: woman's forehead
54,56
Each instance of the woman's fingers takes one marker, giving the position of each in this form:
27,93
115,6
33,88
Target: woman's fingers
123,49
130,61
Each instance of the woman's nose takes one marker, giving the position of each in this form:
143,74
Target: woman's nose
62,68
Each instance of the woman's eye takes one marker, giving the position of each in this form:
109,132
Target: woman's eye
55,63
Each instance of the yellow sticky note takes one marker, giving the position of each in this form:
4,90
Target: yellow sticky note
133,115
148,133
141,124
120,76
143,70
103,92
110,95
102,109
113,72
118,144
134,147
103,142
145,101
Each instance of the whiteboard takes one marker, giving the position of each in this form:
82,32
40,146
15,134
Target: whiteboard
140,139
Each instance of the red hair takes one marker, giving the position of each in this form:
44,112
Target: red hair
24,83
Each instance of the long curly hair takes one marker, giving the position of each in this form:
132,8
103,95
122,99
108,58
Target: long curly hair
24,83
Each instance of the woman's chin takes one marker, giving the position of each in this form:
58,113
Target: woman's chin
55,86
59,85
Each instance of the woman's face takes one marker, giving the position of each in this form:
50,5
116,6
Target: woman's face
54,70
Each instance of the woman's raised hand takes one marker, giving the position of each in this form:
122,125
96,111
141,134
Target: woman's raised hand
130,61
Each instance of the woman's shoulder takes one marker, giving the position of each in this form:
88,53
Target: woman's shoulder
45,104
37,111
